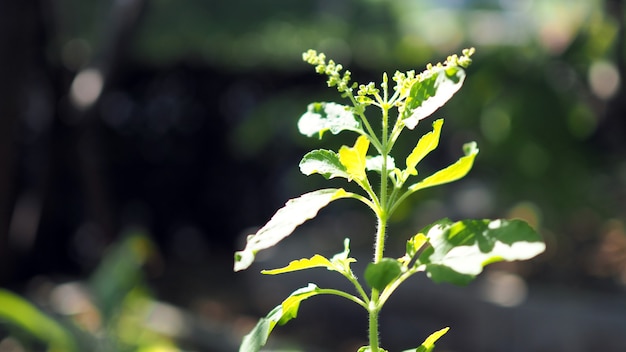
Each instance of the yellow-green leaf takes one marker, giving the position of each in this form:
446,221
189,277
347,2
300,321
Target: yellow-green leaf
280,315
354,158
429,344
19,313
426,144
452,172
315,261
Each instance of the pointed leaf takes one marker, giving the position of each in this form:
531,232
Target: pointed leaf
323,162
341,261
354,158
459,251
452,172
294,213
316,261
322,117
426,144
429,344
280,315
379,275
429,94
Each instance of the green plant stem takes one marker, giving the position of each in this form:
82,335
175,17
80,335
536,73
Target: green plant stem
354,299
373,309
374,304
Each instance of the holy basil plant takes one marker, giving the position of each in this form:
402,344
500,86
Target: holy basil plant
447,251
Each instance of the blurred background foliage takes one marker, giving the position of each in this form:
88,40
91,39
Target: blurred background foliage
180,118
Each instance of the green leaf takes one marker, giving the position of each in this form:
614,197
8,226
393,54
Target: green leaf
430,93
323,162
280,315
322,117
295,212
459,251
379,275
316,261
452,172
354,159
21,314
429,344
426,144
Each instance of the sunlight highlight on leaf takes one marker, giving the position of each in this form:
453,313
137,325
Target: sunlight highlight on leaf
354,158
295,212
460,250
322,117
425,145
431,93
452,172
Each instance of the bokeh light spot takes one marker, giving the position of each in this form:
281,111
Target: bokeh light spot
604,79
86,88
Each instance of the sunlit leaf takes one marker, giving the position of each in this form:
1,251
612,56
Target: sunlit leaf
415,243
23,315
315,262
295,212
431,93
459,251
354,158
429,344
323,162
379,275
452,172
375,163
280,315
426,144
322,117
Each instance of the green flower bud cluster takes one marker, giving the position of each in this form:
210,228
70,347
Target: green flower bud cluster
332,70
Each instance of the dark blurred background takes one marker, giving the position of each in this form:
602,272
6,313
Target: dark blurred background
177,119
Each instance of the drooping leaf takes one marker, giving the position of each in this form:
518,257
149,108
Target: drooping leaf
322,117
354,158
323,162
425,145
23,315
452,172
459,251
429,344
280,315
429,94
295,212
375,163
379,275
